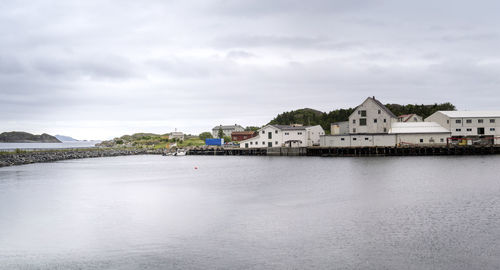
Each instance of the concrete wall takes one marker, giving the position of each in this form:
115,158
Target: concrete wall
423,139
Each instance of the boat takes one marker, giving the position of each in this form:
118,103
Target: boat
180,152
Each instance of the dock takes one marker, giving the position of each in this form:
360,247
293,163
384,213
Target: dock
351,151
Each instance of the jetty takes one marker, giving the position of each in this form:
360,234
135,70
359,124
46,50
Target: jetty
350,151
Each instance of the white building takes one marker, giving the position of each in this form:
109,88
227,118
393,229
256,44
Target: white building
176,135
406,118
373,124
419,133
371,117
227,130
285,136
464,124
339,128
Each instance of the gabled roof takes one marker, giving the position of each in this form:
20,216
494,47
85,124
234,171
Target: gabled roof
383,107
472,114
379,104
286,127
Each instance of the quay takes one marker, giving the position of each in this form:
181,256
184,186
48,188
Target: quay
351,151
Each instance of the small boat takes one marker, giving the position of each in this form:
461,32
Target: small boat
180,152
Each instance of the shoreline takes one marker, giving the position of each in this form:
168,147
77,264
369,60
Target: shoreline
8,159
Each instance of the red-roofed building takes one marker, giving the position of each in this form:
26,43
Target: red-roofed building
242,135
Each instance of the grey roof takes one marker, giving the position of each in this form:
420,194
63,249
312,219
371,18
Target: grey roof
227,127
285,127
382,106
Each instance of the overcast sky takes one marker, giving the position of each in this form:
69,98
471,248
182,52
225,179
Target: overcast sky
101,69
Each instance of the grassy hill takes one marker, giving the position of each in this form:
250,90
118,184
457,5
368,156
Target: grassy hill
25,137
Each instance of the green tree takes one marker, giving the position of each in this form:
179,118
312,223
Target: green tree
226,139
251,128
220,134
205,135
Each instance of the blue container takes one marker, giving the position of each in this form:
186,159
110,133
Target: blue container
218,142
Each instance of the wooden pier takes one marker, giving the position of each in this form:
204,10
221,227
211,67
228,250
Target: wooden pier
351,152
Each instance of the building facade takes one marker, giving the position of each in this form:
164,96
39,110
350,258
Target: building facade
469,124
176,135
227,130
371,117
285,136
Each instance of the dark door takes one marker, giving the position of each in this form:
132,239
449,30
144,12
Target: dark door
246,145
480,131
270,144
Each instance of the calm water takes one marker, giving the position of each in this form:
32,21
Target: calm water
77,144
154,212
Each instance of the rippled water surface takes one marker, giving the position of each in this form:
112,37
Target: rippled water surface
154,212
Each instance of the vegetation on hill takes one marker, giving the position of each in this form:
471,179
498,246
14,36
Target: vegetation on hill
25,137
151,140
311,117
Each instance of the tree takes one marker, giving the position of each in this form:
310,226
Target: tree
251,128
205,135
226,139
220,134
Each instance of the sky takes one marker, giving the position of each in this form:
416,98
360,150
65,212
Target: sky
101,69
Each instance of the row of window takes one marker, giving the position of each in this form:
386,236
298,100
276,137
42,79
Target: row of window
469,121
470,129
363,112
263,143
362,121
431,140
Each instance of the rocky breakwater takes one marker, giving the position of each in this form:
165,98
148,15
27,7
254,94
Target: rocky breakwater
20,158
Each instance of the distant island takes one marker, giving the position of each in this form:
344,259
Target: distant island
25,137
63,138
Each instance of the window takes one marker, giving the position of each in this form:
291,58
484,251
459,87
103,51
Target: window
366,139
458,129
492,120
263,143
447,121
385,129
421,140
362,122
354,130
375,120
480,121
492,129
354,139
276,143
441,140
251,143
468,121
342,139
269,135
263,132
276,131
415,119
379,111
299,133
385,120
359,112
469,129
354,121
363,113
458,121
286,133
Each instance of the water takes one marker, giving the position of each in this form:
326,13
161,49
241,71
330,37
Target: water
154,212
76,144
